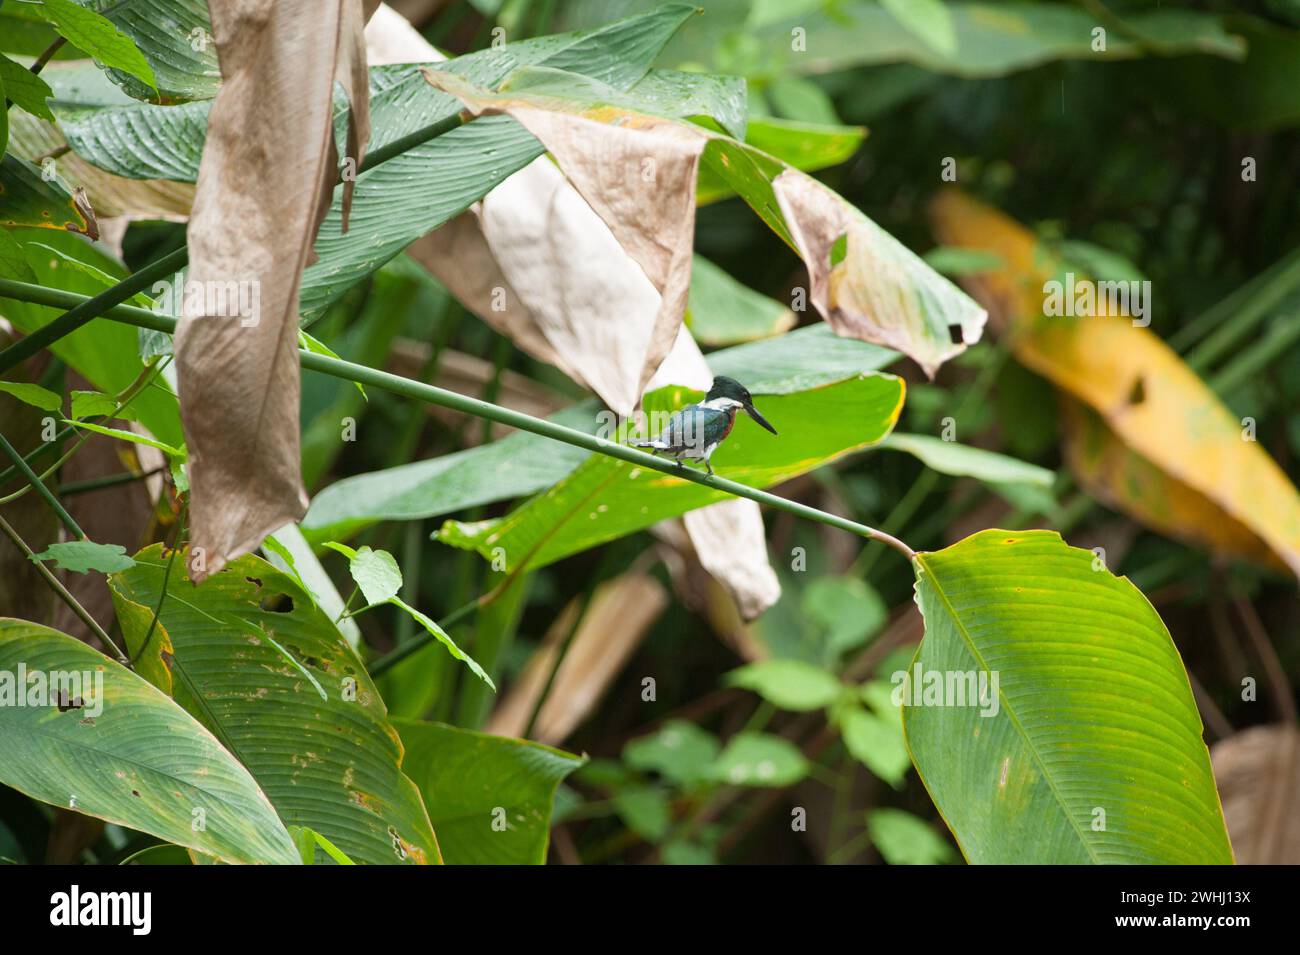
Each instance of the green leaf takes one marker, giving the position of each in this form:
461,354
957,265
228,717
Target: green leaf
404,198
680,751
33,395
105,353
289,551
13,262
375,571
722,311
123,435
645,810
800,144
490,797
957,261
159,855
929,20
442,637
948,457
81,557
175,38
332,765
123,752
848,609
91,404
760,759
788,684
307,840
903,839
803,100
662,92
93,34
25,88
33,201
876,742
1088,747
606,498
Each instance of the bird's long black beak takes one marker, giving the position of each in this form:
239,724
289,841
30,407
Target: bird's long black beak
753,413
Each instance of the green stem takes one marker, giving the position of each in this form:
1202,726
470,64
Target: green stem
431,394
109,480
82,614
25,470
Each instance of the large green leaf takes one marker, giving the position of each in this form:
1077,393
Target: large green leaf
490,797
992,39
175,38
112,746
605,498
411,194
523,463
1088,749
722,311
258,664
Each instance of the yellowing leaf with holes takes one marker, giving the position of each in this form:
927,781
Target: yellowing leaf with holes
105,743
1049,714
1161,438
263,668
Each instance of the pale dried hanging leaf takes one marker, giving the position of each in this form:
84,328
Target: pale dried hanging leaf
1258,773
265,183
877,291
535,261
639,179
617,619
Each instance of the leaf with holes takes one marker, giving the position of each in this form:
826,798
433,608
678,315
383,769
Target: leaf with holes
1049,714
252,658
105,743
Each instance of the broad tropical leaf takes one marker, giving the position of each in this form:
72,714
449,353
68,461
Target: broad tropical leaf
1061,728
490,796
107,744
269,674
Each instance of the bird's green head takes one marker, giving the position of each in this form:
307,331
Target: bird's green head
729,388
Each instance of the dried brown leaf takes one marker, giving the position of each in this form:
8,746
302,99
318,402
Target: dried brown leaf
266,181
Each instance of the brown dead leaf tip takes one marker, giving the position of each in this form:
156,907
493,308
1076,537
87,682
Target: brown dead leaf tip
81,203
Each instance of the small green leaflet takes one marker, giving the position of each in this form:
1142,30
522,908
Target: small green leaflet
84,556
42,398
92,33
789,684
13,264
307,839
178,454
760,759
25,88
90,404
379,579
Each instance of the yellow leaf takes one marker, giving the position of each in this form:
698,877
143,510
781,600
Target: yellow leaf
1161,446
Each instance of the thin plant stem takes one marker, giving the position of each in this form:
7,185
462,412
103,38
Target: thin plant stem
82,614
34,480
431,394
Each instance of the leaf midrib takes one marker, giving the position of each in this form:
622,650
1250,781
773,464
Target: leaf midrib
1006,705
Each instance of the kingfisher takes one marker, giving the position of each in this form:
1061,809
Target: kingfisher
697,430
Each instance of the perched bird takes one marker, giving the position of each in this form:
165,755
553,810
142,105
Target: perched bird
697,430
